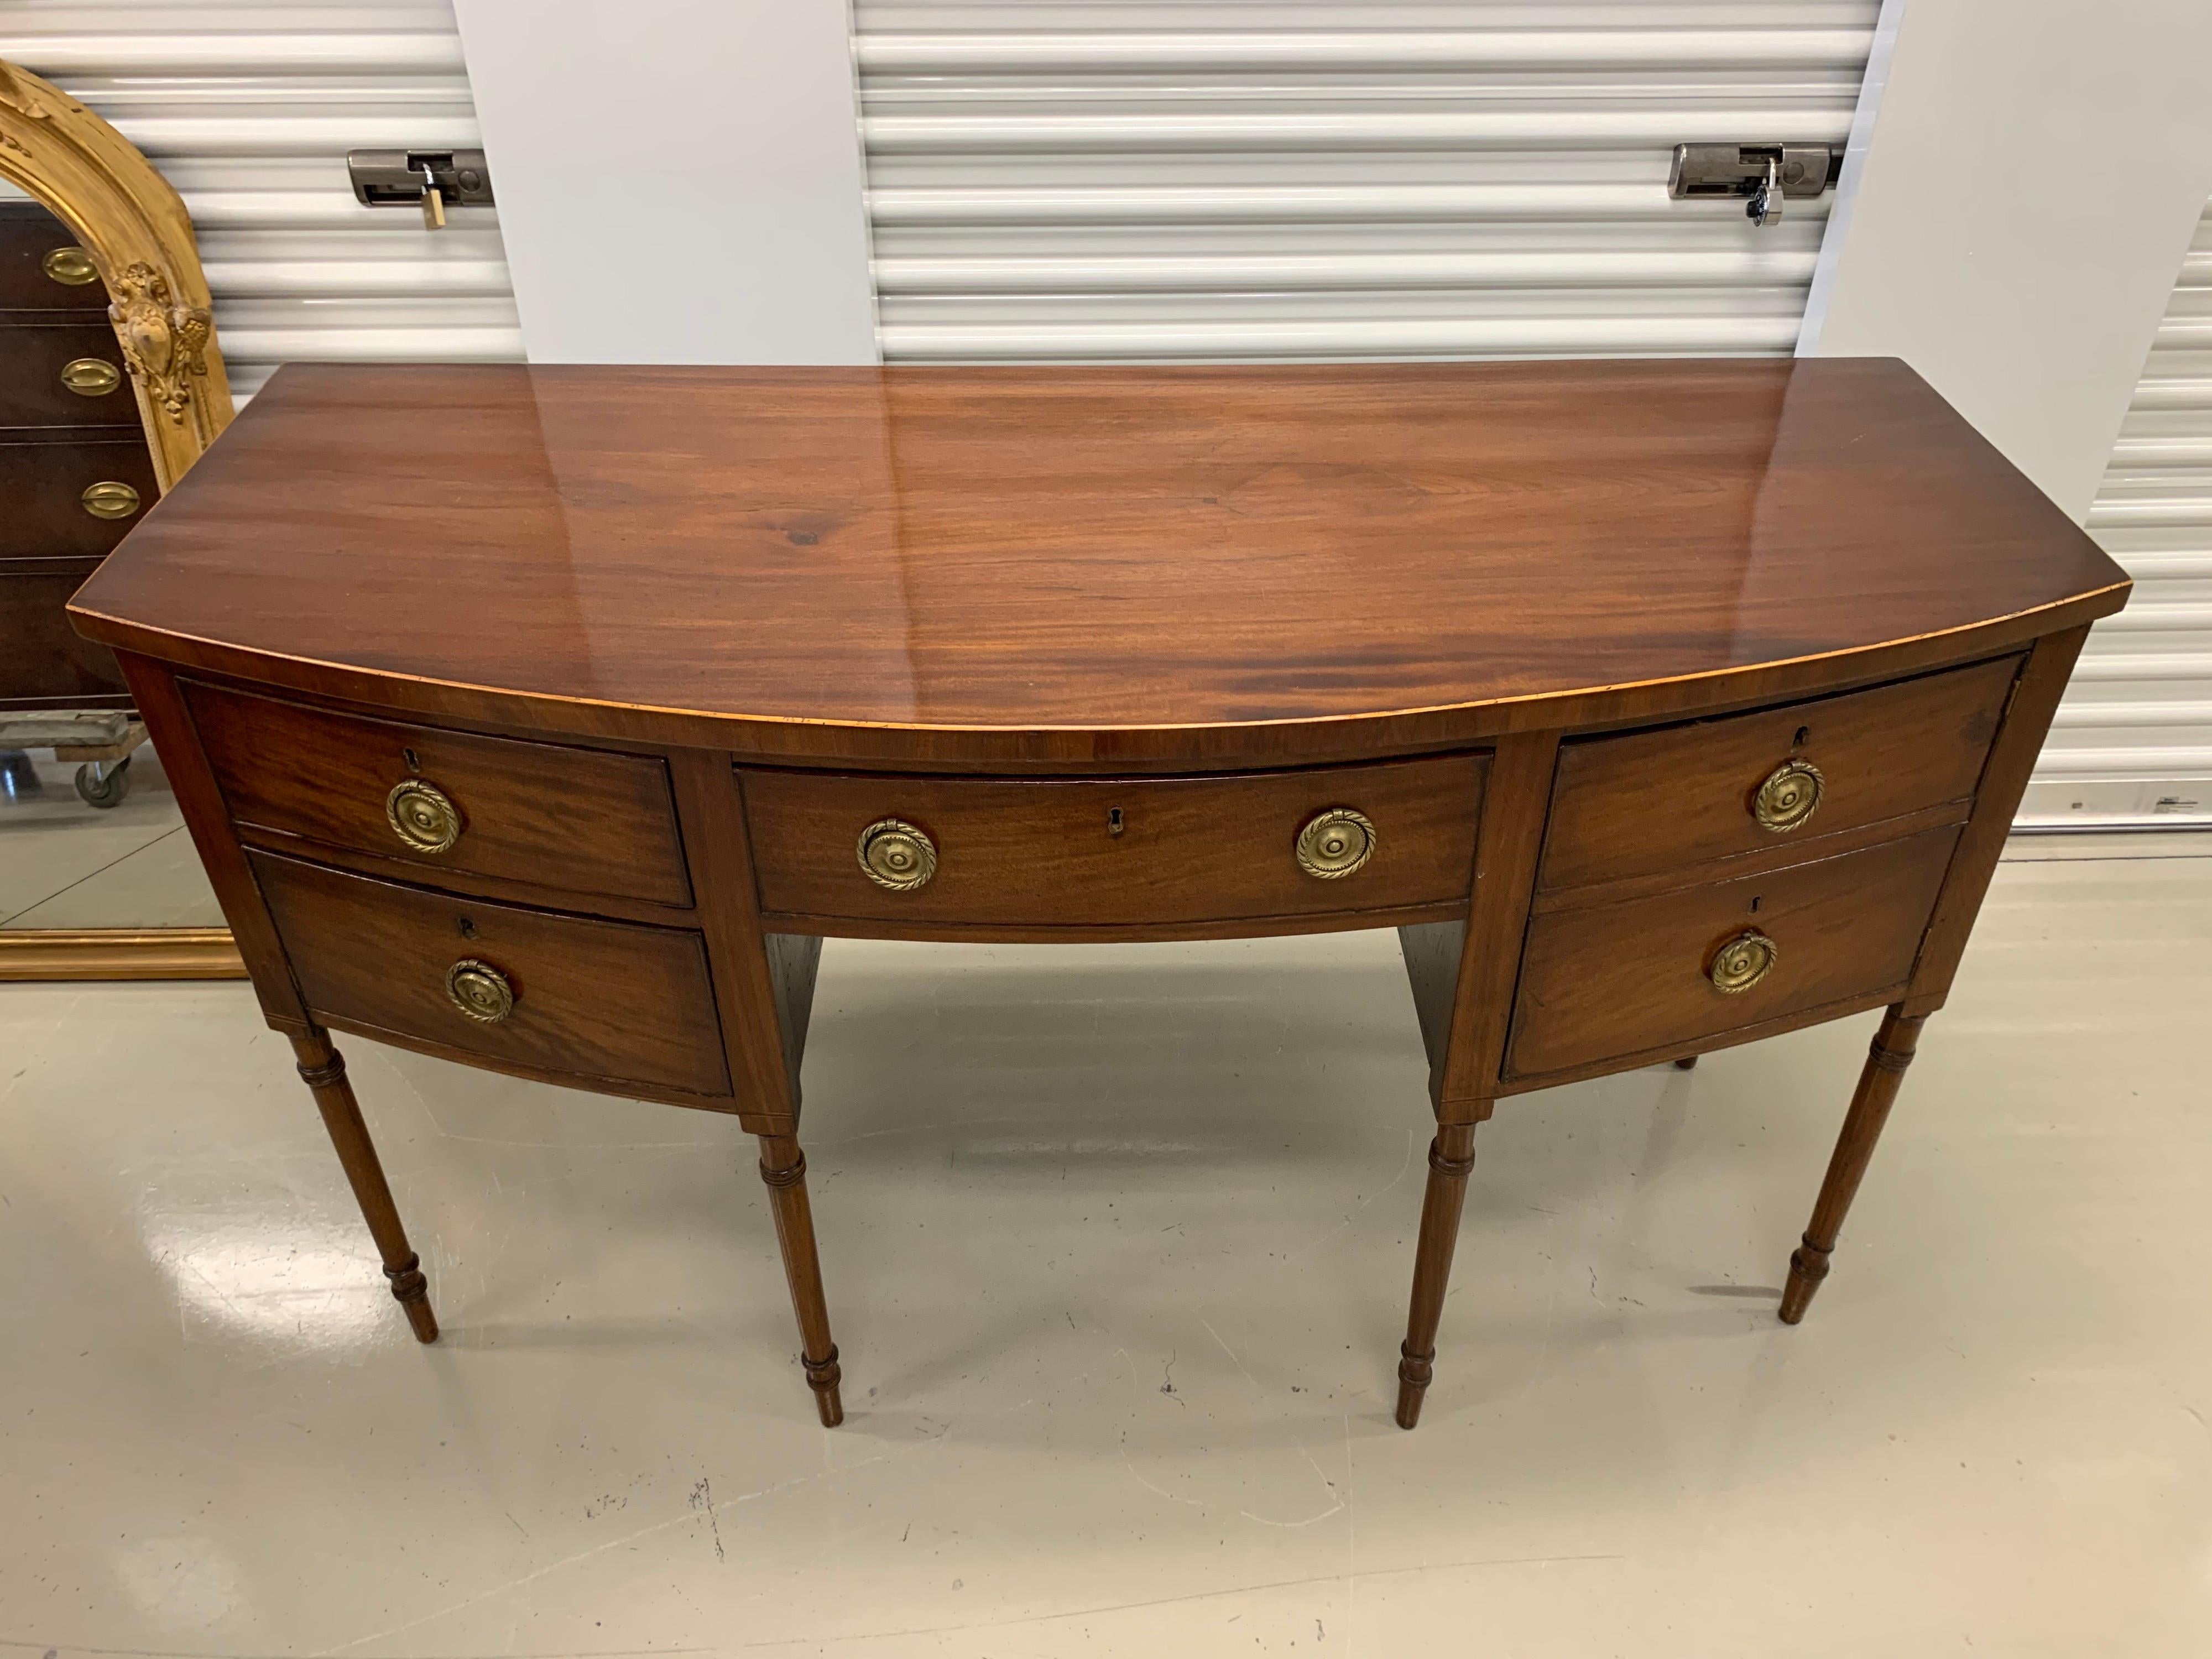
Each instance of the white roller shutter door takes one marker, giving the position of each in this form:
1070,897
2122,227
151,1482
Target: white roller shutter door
249,108
2133,740
1153,179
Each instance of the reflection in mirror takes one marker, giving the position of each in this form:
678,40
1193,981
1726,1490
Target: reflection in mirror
87,844
111,387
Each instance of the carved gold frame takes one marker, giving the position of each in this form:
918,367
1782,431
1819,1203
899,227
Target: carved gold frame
126,216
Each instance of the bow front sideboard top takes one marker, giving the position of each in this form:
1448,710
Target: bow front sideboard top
548,719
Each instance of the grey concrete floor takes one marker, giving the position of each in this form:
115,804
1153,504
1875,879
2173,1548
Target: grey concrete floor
1117,1241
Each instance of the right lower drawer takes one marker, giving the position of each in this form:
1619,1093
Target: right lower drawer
600,1001
1613,980
1661,801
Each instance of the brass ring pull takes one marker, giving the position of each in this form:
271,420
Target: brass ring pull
897,855
1335,843
1743,962
1789,797
91,377
423,815
110,498
480,991
72,267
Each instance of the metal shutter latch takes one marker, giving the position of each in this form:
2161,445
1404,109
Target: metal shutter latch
430,179
1762,176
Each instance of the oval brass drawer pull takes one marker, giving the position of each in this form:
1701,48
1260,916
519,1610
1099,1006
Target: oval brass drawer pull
110,498
1743,962
1335,843
91,377
1788,798
423,815
897,855
72,267
480,991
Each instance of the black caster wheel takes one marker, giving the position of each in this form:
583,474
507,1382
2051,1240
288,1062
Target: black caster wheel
104,789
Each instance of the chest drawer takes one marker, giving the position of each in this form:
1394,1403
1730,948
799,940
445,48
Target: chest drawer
43,661
1618,979
603,1001
55,372
1116,852
71,495
1663,800
41,266
580,820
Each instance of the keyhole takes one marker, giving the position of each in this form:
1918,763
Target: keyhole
413,765
1114,825
1803,732
469,928
1755,907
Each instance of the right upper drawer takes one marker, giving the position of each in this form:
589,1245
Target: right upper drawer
1668,800
581,821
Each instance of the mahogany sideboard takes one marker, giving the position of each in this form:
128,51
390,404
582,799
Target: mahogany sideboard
547,719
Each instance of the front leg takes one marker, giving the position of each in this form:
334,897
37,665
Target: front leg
1451,1157
1887,1059
783,1167
323,1069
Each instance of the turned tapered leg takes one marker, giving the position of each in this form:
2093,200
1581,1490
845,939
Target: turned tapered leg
323,1069
1885,1069
783,1166
1451,1155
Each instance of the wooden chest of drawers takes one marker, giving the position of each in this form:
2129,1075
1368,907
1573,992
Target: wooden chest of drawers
562,756
75,471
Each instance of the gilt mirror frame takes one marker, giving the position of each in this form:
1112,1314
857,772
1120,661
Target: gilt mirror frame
134,226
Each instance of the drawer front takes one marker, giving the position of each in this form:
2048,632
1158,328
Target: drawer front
1661,801
41,266
604,1001
578,820
1120,852
57,373
44,480
43,662
1618,979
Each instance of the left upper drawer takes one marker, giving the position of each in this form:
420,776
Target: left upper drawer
581,821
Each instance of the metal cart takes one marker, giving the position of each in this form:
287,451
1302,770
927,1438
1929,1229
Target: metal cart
99,742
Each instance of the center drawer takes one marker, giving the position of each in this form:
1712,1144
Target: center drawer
601,1002
1122,852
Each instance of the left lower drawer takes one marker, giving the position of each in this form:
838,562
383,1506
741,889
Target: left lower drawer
582,821
602,1001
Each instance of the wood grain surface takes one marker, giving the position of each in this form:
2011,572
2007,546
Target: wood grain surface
951,564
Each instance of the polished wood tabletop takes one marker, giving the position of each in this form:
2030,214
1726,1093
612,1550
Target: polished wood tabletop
996,556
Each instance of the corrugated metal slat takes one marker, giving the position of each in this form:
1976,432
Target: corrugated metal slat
1136,180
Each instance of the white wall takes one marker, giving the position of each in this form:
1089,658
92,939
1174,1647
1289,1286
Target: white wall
2015,209
678,180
